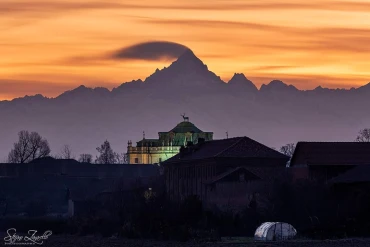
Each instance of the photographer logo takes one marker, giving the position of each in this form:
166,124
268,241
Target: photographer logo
31,238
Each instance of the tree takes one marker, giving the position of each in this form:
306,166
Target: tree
121,158
288,149
363,135
30,146
107,156
66,152
85,158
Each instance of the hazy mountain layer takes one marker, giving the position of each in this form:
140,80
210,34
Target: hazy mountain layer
276,114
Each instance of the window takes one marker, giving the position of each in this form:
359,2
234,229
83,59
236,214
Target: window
136,160
242,177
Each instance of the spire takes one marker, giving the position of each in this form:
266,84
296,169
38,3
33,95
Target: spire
143,135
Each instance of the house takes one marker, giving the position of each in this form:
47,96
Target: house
227,173
325,160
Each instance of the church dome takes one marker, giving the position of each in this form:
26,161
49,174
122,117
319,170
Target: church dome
185,127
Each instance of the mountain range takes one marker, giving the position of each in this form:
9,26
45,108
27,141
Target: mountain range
275,114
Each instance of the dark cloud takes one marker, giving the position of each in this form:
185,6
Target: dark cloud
217,24
152,51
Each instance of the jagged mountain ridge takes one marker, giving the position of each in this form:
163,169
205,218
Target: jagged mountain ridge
275,114
189,71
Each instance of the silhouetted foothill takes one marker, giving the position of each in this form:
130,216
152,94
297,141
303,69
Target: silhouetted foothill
278,86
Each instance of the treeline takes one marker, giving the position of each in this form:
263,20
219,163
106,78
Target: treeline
31,146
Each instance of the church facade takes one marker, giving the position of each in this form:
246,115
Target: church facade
151,151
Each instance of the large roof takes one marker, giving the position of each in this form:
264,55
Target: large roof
238,147
331,153
185,127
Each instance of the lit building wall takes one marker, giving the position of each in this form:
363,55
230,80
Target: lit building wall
151,151
151,155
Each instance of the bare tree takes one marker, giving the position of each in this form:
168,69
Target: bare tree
288,149
363,135
121,158
107,156
85,158
30,146
66,152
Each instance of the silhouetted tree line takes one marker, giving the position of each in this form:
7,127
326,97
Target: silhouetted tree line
363,135
288,149
31,146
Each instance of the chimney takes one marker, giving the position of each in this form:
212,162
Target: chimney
182,151
201,140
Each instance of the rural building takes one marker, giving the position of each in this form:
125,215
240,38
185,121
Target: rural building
49,186
326,160
228,173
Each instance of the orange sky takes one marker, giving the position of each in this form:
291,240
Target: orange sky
50,46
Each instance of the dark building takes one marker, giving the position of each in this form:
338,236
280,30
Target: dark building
53,185
326,160
225,173
72,168
359,175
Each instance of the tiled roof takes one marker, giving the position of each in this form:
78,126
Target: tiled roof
238,147
331,153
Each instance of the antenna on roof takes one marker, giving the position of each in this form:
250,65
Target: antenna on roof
227,135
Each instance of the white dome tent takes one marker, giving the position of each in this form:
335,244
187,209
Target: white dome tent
271,231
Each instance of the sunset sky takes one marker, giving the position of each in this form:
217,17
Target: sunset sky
51,46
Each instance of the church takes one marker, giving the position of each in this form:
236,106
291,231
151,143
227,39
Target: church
151,151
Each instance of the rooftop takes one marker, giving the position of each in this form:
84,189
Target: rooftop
237,147
185,127
331,153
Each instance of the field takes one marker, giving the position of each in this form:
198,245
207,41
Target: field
71,241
